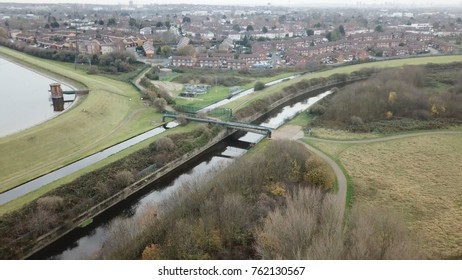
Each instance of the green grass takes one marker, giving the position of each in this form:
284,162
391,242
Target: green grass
214,95
302,119
111,113
23,200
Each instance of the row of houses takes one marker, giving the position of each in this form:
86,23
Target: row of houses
219,60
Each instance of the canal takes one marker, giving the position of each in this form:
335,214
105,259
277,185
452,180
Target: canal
85,243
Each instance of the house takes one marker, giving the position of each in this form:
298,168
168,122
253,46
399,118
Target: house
148,49
184,41
183,61
209,62
146,31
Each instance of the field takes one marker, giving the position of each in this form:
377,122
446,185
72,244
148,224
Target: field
111,113
419,177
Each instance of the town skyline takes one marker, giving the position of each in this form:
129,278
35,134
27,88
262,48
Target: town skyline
286,3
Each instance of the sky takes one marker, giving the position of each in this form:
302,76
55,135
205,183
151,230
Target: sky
291,3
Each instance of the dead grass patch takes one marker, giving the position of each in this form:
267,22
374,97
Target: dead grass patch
420,178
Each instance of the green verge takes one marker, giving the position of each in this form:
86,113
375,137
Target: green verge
111,113
23,200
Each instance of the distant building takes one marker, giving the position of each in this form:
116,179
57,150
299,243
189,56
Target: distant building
146,31
148,49
184,41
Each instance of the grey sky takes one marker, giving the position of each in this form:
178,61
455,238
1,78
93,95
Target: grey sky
254,2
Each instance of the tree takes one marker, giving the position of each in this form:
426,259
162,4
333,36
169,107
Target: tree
341,29
265,29
132,22
459,20
187,50
186,19
168,24
160,103
54,24
258,86
159,24
111,21
236,28
166,51
310,32
249,28
101,22
379,28
317,25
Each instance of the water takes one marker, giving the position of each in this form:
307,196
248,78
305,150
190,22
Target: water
73,167
89,244
25,100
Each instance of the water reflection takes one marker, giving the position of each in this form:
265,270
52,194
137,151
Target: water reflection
25,100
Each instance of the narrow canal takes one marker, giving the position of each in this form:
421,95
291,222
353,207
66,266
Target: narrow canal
85,243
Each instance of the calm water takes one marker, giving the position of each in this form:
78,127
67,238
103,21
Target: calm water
24,98
86,246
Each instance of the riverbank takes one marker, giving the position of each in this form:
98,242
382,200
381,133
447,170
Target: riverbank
100,120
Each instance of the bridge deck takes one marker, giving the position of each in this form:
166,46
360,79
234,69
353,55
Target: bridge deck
237,125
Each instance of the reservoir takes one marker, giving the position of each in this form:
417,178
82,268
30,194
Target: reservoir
25,100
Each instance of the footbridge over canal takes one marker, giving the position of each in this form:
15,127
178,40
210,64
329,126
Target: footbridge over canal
236,125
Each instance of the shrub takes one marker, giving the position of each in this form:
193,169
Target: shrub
124,178
354,120
259,86
181,119
93,70
317,109
318,173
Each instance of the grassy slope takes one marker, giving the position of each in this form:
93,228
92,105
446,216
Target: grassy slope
238,104
419,177
21,201
111,113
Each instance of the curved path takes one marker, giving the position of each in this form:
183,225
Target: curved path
340,196
341,178
381,139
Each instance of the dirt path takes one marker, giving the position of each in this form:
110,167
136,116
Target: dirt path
381,139
295,133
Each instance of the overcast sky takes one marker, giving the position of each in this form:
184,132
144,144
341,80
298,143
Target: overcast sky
253,2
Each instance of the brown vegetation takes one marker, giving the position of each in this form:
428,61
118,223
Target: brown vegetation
309,227
258,207
19,229
394,100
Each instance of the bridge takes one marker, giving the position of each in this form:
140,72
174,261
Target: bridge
237,125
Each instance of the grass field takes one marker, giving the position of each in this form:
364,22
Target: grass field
111,113
419,177
21,201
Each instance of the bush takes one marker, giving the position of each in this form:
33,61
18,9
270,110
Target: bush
124,178
317,109
259,86
354,120
152,76
93,70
